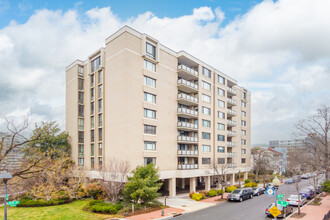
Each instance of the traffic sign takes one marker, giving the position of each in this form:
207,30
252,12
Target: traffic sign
270,191
7,197
283,203
280,196
275,211
13,203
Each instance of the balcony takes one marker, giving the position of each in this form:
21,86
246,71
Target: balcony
231,133
187,113
231,123
188,152
231,91
231,112
187,99
187,139
231,102
231,164
187,86
231,144
187,166
187,126
187,73
231,154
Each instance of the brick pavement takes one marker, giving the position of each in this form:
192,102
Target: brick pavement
156,214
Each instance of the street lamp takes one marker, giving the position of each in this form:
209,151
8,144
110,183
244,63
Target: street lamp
276,183
5,177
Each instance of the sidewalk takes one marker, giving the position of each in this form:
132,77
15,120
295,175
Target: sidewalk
314,212
157,214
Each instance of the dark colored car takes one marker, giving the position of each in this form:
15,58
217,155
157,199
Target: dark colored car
284,210
308,193
289,181
304,176
258,191
318,189
240,194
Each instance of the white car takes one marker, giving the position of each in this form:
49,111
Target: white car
294,200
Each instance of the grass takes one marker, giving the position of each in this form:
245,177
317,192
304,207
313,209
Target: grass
70,211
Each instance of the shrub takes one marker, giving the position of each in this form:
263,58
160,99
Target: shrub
191,194
94,190
203,193
27,202
248,185
326,186
247,181
219,191
103,207
229,189
254,184
212,193
197,197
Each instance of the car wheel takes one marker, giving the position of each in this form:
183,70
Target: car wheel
241,199
258,194
251,196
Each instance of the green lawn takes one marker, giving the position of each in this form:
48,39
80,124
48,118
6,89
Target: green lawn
66,212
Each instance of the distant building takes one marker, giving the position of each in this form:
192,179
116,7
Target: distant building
286,143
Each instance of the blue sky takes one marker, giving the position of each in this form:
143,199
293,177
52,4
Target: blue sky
21,10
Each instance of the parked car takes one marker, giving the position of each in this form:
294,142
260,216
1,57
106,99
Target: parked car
294,200
304,176
258,191
296,178
269,185
289,181
240,194
284,210
318,189
308,193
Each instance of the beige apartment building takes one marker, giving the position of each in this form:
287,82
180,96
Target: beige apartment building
139,101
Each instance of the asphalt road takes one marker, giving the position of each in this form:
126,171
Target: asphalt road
251,209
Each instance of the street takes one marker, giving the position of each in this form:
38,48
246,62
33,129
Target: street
249,209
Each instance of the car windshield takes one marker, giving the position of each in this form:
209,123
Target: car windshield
236,191
254,188
293,197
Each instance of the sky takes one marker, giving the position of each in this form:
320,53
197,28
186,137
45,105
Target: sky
279,50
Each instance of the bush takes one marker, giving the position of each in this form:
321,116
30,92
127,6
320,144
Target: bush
212,193
197,197
247,181
230,189
326,186
103,207
203,193
27,202
94,190
219,191
248,185
254,184
191,194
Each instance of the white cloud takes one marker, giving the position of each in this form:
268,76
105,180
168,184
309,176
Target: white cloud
278,50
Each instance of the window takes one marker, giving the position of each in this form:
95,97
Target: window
221,137
92,135
206,98
92,163
96,63
80,124
243,113
221,149
100,76
80,137
100,134
149,65
243,132
221,92
80,84
150,145
92,121
243,104
100,91
221,126
80,97
206,135
206,123
206,160
100,149
221,103
221,160
81,162
81,110
221,115
100,105
100,163
149,81
206,148
206,72
243,160
92,80
100,120
92,94
92,108
243,123
92,150
151,51
149,129
206,85
80,150
243,141
149,97
206,111
221,79
244,95
80,70
148,160
148,113
243,151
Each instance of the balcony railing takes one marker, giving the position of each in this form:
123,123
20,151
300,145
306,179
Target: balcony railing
187,166
231,165
231,133
187,97
231,101
187,69
231,144
187,125
231,90
187,139
188,152
187,83
231,123
231,112
231,154
187,111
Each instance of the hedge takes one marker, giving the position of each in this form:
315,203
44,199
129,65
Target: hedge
25,202
229,189
197,197
251,184
212,193
247,181
103,207
219,191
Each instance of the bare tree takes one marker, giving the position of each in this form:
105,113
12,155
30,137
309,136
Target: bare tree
220,171
262,163
113,177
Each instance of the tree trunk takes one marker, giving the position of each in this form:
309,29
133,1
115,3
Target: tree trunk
221,190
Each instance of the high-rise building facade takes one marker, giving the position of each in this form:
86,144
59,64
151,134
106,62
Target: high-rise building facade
139,101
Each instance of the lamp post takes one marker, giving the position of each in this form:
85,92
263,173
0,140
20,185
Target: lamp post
276,183
5,177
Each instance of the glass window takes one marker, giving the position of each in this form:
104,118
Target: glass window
148,160
221,79
100,120
151,51
243,113
206,123
149,81
221,92
81,110
148,113
149,65
150,145
243,104
221,115
92,80
80,97
149,129
80,70
243,151
92,135
221,160
206,98
221,137
206,111
243,160
243,141
80,84
92,163
221,149
80,137
206,85
243,132
100,91
206,135
81,150
100,149
243,123
92,150
221,126
96,63
92,94
206,160
100,105
100,163
100,134
80,124
221,103
206,148
92,121
206,72
81,162
149,97
244,95
100,76
92,108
